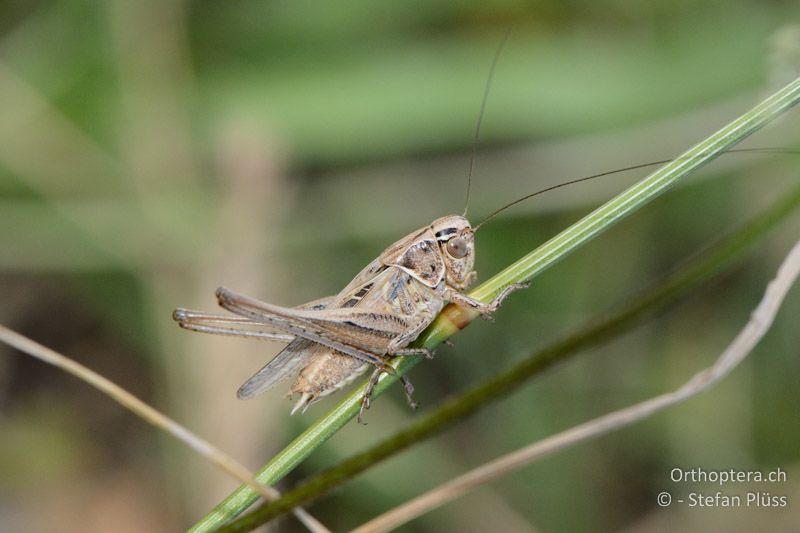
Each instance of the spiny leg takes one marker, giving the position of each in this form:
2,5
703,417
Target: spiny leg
483,308
290,321
408,389
426,353
225,325
365,398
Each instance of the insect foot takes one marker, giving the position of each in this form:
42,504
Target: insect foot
365,399
483,308
495,304
426,353
498,300
408,389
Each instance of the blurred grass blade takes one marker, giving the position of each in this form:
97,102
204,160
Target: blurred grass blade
452,319
151,416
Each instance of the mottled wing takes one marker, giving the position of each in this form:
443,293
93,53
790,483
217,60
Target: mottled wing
287,362
341,327
361,283
392,306
360,333
300,351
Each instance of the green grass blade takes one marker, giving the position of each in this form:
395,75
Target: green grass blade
690,275
452,319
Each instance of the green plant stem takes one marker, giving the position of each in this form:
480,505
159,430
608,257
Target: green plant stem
671,288
452,319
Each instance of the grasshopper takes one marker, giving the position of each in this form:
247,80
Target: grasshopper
333,340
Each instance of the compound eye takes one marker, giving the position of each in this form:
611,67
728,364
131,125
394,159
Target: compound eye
457,247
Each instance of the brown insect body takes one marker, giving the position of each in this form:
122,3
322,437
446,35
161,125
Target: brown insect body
383,309
388,284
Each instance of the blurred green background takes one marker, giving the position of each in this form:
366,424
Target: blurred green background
153,150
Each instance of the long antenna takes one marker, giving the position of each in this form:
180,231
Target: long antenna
625,169
480,115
